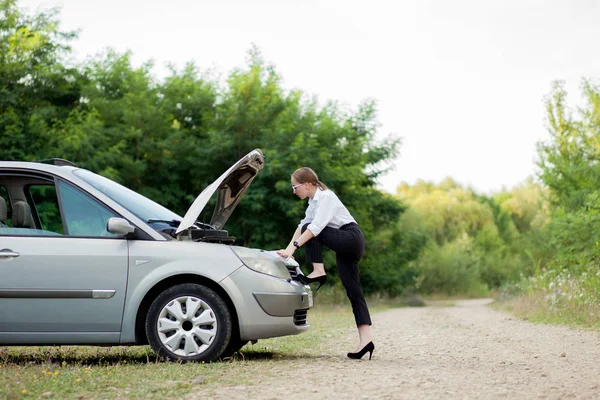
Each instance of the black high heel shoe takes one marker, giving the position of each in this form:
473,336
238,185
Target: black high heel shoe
358,355
319,279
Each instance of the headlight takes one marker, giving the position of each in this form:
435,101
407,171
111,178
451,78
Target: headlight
262,261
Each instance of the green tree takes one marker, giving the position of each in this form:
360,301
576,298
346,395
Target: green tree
448,211
569,160
36,87
570,169
475,245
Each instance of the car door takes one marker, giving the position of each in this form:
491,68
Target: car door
63,278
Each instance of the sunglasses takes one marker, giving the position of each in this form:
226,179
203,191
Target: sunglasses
295,186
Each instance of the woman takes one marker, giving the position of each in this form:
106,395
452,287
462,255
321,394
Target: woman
328,223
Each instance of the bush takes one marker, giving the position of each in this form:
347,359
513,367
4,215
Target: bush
452,268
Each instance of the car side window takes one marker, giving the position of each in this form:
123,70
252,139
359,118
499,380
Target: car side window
45,201
83,215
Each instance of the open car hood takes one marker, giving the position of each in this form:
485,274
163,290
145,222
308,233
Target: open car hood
231,186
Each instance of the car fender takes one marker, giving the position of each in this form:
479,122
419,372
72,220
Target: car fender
215,264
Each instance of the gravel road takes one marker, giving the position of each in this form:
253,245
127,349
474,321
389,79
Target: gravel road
464,351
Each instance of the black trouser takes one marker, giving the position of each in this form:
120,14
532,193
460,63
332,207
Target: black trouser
348,243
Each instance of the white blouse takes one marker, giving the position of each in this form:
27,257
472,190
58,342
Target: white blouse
325,209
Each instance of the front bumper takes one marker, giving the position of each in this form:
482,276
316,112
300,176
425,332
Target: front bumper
267,306
280,304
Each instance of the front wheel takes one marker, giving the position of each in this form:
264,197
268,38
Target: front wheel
189,322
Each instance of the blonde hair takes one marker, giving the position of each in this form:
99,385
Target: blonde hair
307,175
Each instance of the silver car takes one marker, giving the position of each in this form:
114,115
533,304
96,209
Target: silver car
84,260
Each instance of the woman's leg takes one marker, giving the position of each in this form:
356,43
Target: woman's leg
318,270
348,271
349,247
364,336
314,254
351,244
347,258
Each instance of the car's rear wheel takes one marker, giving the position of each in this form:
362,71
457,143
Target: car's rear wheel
189,322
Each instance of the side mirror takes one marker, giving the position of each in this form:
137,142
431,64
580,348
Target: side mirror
119,226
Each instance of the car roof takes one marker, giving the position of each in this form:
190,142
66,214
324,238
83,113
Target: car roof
60,170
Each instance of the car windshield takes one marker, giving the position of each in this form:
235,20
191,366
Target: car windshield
142,207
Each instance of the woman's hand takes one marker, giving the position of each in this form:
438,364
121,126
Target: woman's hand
286,253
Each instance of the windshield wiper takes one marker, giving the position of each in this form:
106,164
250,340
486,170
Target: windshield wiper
173,222
176,222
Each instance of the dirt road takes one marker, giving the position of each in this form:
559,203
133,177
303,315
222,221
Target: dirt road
465,351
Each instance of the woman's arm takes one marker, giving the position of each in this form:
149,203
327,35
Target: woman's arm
305,237
294,238
300,238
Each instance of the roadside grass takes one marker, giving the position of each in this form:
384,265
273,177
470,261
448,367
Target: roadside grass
90,372
534,307
556,296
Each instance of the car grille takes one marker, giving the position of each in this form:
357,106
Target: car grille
300,317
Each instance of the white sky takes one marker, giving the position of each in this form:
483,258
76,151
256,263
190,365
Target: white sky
461,81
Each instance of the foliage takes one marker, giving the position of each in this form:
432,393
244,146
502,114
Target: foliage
566,258
477,242
449,212
569,161
390,253
564,296
451,268
36,88
569,166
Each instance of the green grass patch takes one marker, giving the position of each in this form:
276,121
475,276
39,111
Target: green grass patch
535,307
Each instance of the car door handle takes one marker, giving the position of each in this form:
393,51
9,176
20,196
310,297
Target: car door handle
6,253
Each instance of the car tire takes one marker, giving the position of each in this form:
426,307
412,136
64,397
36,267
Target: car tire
189,322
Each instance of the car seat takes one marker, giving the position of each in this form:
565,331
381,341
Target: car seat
21,215
3,212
